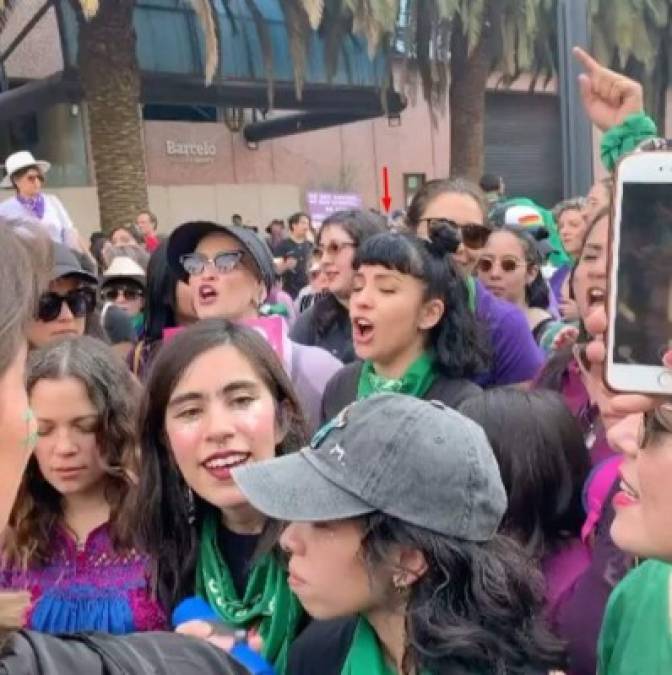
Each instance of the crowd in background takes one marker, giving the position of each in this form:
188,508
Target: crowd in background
378,447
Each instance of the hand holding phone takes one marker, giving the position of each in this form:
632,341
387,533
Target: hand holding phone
640,279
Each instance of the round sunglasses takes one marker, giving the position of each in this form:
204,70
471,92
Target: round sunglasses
472,235
111,294
80,302
226,261
333,248
508,265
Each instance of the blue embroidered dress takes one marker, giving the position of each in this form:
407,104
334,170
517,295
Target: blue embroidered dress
89,589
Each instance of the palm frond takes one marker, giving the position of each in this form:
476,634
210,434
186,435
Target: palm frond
314,10
299,35
206,16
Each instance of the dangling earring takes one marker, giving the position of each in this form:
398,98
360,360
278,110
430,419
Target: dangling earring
191,506
399,586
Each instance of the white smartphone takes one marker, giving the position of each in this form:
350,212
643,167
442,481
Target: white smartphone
640,275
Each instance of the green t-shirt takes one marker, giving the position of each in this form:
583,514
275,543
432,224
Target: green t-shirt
636,637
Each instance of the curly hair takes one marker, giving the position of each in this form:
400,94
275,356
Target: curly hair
478,606
168,530
114,393
456,339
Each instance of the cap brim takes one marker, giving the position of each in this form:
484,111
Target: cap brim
184,239
141,281
290,488
61,271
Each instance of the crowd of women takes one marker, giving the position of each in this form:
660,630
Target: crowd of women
421,473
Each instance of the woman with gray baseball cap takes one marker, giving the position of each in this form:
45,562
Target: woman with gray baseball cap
394,511
230,272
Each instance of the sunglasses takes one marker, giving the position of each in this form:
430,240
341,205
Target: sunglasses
111,294
80,301
508,265
472,235
333,248
226,261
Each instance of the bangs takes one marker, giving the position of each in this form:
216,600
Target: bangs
394,251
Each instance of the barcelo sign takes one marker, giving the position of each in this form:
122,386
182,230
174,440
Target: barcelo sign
200,151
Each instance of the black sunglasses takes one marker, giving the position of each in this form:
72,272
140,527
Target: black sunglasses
111,294
472,235
80,301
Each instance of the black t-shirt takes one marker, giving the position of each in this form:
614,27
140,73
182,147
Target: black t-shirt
294,280
238,551
336,339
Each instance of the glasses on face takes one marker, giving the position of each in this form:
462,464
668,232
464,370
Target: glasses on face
111,294
472,235
35,178
508,265
226,261
333,248
80,302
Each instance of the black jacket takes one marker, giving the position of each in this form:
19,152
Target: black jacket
341,391
30,653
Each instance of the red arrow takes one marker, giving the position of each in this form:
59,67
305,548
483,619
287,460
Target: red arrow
387,200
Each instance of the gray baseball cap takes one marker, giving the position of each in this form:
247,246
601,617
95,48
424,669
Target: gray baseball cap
184,239
66,264
418,461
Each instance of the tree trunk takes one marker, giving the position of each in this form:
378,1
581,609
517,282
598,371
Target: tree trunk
110,79
468,81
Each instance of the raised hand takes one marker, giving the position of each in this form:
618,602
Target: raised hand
608,97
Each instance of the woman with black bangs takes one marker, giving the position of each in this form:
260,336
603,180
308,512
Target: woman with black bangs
411,325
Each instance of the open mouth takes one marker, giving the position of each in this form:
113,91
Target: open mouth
207,294
627,495
595,296
220,465
362,330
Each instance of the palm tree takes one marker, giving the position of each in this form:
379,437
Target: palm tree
634,37
454,45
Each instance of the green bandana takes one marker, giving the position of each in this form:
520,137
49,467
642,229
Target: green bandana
470,283
267,600
625,137
416,381
365,656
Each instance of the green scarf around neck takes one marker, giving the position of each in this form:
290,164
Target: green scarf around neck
267,604
365,656
416,381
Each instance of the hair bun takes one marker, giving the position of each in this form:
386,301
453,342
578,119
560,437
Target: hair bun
443,240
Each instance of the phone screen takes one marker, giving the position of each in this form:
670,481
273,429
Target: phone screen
643,324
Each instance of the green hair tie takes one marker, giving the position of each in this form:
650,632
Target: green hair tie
624,138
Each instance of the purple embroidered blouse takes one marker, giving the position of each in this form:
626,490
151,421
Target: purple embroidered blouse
89,589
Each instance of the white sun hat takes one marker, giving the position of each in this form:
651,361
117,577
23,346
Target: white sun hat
21,160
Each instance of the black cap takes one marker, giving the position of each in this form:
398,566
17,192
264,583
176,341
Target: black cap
184,239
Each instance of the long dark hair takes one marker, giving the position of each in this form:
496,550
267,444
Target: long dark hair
478,606
543,461
553,373
455,340
114,393
360,226
170,523
434,188
160,298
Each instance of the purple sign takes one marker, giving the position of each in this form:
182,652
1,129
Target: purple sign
323,204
